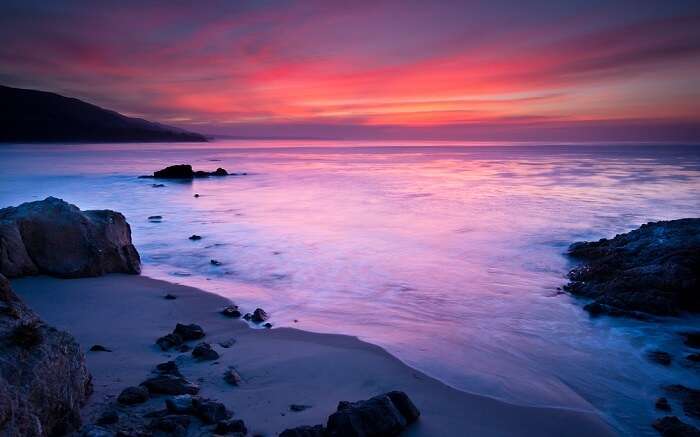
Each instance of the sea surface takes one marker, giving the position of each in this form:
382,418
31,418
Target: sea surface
448,255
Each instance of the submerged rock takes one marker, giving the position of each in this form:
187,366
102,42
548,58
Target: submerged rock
44,381
671,426
651,270
660,357
195,237
56,238
99,348
690,398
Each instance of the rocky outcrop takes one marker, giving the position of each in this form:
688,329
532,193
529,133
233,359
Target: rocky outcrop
652,270
385,415
43,378
184,171
56,238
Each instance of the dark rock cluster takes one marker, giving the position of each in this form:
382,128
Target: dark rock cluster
653,270
184,171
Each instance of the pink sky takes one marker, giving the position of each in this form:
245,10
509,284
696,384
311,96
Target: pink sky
552,70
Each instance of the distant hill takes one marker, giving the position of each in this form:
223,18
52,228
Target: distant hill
32,116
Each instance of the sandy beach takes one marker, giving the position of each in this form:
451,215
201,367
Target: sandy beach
279,367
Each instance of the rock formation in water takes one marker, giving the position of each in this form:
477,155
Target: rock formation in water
652,270
30,116
185,171
56,238
43,378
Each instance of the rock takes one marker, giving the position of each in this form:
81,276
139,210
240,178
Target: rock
196,195
170,385
155,217
690,398
671,426
219,172
382,415
56,238
168,368
133,395
259,315
99,348
182,404
209,411
169,341
298,407
228,343
204,352
659,357
157,185
109,417
189,332
95,431
43,383
305,431
267,325
231,311
170,297
695,358
182,171
662,404
195,237
651,270
175,425
232,377
248,316
230,426
691,339
215,262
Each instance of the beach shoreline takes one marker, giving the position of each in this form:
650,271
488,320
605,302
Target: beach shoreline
279,367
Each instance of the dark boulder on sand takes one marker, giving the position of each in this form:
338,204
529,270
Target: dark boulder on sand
133,395
169,341
56,238
189,332
204,352
43,377
170,385
652,270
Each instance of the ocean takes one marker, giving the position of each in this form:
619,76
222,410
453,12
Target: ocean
449,255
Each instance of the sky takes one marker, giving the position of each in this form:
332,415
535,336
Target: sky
497,70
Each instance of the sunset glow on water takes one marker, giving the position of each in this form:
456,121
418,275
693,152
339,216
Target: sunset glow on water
448,256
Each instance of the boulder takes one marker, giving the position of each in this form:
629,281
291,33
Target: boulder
108,417
383,415
189,332
304,431
175,426
133,396
56,238
204,352
652,270
662,404
170,385
43,377
99,348
168,368
671,426
230,426
181,404
232,377
209,411
169,341
690,398
691,339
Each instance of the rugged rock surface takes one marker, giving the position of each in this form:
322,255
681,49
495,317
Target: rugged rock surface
170,385
56,238
652,270
204,352
43,378
184,171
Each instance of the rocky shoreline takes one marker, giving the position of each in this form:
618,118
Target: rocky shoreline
650,272
218,377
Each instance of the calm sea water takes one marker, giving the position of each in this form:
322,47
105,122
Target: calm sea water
448,256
